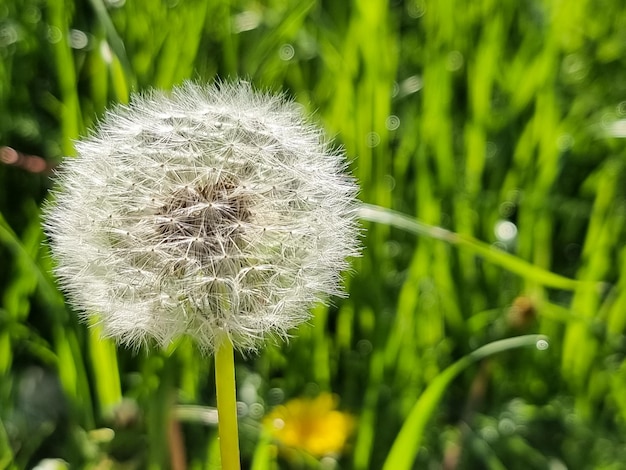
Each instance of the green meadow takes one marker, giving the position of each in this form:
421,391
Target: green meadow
486,319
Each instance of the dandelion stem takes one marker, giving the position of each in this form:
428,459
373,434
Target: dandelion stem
227,405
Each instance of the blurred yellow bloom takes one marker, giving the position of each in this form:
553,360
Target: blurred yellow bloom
312,425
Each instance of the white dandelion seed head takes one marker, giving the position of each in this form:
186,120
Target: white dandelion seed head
213,211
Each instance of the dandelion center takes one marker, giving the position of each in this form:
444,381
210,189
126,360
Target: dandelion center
204,220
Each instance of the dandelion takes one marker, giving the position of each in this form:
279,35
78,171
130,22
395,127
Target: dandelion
311,425
212,212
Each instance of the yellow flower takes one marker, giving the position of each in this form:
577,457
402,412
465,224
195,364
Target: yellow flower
312,425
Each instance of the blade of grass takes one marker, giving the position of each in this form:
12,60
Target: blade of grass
407,443
161,371
70,118
579,346
365,439
500,258
6,452
115,41
107,382
264,454
30,269
18,292
177,57
72,373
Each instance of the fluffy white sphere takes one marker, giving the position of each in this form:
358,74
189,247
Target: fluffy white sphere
211,212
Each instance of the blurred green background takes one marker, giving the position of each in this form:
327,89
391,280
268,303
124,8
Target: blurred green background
496,128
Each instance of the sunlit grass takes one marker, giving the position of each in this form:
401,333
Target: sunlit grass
457,116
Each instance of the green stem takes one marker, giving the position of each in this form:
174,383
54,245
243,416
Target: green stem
227,405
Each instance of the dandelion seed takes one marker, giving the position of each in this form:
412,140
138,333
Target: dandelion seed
214,212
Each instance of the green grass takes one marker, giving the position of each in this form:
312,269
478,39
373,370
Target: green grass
455,115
